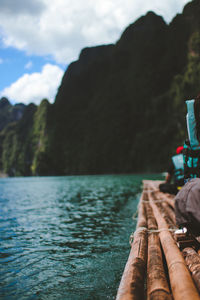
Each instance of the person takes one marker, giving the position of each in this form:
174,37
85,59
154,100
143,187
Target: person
187,201
192,145
175,172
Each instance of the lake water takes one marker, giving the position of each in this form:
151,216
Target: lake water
66,237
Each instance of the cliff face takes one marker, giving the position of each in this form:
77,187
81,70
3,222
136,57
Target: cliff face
105,104
22,143
120,108
9,113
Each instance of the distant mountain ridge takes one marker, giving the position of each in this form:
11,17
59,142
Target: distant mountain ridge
119,109
10,113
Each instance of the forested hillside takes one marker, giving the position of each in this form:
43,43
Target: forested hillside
119,109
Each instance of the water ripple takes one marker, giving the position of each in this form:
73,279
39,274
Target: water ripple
65,237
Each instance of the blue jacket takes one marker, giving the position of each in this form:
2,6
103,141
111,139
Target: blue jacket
191,152
178,167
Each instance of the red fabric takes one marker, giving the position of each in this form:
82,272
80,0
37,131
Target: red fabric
179,150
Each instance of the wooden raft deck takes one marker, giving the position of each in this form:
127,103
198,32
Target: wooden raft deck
156,267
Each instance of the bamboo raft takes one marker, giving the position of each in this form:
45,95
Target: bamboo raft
162,264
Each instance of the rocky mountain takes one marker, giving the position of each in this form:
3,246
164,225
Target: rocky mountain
10,113
119,109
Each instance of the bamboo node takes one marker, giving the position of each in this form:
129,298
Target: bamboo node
139,229
176,262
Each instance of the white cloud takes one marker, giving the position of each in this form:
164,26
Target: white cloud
1,60
28,65
36,86
61,28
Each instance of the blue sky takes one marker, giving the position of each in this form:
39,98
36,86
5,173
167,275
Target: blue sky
39,38
14,63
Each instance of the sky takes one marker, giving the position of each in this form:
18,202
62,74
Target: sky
40,38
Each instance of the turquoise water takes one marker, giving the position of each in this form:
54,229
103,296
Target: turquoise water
65,237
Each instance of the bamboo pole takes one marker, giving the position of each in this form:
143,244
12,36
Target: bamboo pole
169,199
132,282
162,204
157,286
181,282
154,185
193,262
169,212
167,206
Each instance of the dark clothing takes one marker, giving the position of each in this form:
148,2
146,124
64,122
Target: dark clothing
171,188
171,171
171,168
191,162
187,206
